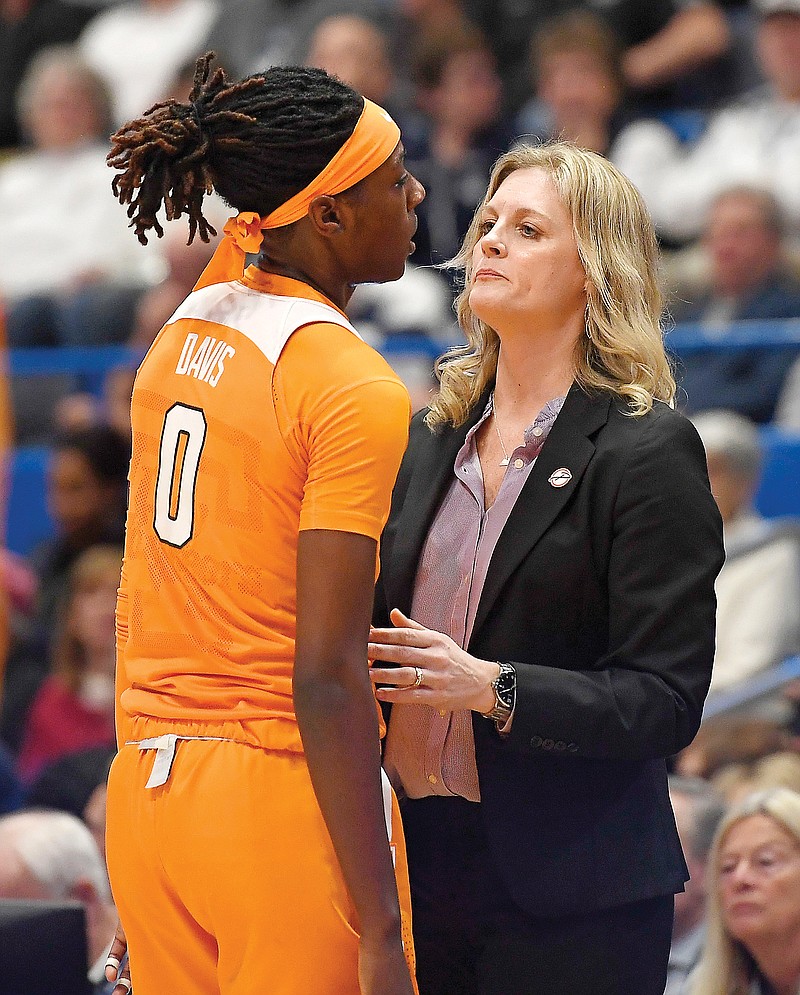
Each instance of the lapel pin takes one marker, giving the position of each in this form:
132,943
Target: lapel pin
559,477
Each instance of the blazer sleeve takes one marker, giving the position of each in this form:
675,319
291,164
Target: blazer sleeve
643,698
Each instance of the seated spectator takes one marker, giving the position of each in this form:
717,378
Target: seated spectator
698,811
758,588
776,770
138,47
249,35
26,27
725,740
86,493
359,52
51,855
753,930
578,83
669,45
356,51
748,279
459,91
756,141
74,707
70,783
71,270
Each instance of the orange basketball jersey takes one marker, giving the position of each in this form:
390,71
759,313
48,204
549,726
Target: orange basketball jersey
257,412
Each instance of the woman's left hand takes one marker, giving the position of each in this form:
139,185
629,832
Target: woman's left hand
428,668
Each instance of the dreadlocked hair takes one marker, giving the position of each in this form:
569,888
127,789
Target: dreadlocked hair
256,141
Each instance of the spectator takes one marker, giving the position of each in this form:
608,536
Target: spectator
753,941
356,51
758,588
726,740
577,72
775,770
26,26
249,35
139,46
51,855
748,279
664,40
755,142
70,784
698,811
417,19
458,89
70,270
86,484
74,707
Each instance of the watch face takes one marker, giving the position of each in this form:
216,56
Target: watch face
505,685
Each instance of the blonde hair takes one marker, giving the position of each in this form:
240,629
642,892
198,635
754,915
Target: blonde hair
726,967
623,350
97,565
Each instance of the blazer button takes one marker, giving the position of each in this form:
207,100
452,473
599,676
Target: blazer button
536,742
548,744
572,747
560,745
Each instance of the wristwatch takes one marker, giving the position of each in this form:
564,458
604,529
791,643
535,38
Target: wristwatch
505,693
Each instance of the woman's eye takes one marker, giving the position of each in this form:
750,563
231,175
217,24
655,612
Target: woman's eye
529,231
486,227
403,180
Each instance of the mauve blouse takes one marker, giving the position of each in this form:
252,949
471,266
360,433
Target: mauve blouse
431,751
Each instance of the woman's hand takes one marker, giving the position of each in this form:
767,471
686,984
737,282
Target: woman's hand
429,668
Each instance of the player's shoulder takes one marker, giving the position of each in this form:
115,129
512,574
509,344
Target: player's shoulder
332,354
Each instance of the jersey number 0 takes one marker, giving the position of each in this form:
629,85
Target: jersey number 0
182,438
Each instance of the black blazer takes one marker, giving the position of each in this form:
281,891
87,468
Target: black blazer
602,593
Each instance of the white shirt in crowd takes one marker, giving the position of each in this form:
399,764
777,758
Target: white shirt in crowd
756,142
60,223
139,49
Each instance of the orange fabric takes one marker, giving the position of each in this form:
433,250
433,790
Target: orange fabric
206,627
225,877
374,138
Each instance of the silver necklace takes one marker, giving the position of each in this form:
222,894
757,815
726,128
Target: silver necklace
506,458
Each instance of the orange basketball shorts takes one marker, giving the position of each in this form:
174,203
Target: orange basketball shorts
225,877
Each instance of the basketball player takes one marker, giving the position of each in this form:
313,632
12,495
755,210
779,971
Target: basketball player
250,835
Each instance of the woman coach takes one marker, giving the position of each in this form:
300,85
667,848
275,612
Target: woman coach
552,550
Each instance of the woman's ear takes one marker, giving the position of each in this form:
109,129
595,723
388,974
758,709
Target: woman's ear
326,215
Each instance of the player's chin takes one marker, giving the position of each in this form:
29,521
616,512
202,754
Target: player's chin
393,272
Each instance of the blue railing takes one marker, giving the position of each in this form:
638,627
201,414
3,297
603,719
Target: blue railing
766,684
28,521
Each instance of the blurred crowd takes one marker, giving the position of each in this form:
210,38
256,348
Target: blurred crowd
698,101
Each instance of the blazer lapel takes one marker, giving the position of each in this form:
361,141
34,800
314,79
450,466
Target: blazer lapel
433,458
568,447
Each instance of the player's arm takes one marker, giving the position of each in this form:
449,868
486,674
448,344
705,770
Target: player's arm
336,714
352,435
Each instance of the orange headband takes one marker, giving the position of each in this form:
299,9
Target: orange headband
373,140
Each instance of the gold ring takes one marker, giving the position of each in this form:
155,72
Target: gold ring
417,678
